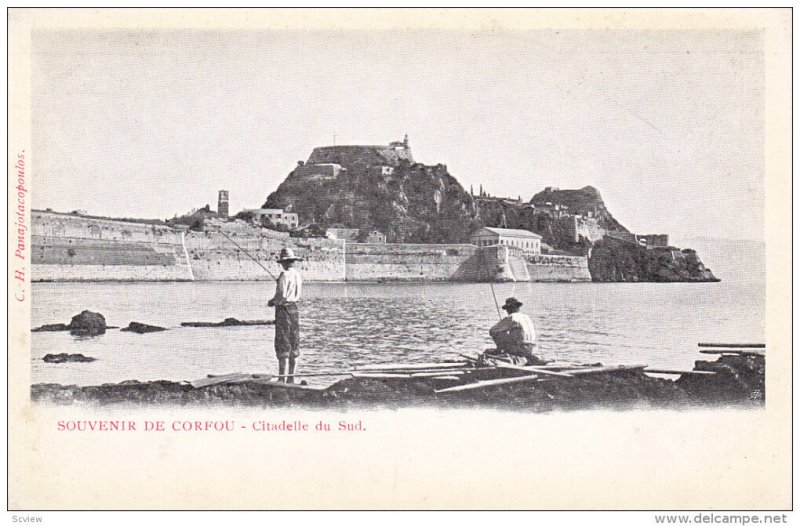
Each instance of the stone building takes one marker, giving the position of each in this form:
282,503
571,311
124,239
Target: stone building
653,240
376,236
313,171
527,241
276,216
346,234
222,204
355,155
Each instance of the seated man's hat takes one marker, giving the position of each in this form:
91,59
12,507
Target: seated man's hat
511,303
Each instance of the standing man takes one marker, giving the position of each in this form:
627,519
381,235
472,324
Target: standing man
515,337
287,316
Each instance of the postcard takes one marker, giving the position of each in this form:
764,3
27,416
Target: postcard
304,259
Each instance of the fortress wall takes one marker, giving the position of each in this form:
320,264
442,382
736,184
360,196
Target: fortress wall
589,229
53,224
79,248
583,227
66,247
558,268
215,258
87,249
517,264
405,262
359,155
422,262
501,263
219,269
66,251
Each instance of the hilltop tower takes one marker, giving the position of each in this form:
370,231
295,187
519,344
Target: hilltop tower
222,204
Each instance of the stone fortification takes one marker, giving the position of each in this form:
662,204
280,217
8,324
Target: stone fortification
361,155
407,262
78,248
68,247
215,258
544,268
55,224
578,227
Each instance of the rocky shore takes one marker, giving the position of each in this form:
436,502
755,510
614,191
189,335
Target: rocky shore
617,261
738,381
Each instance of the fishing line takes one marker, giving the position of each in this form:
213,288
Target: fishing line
246,253
491,284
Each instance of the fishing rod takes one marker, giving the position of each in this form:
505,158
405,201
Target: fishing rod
491,284
246,253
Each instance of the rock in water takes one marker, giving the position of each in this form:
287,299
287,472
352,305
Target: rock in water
88,323
228,322
233,322
142,328
67,358
51,327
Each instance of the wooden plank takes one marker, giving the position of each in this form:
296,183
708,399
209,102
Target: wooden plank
732,351
435,375
734,345
284,385
531,369
414,372
670,371
488,383
299,375
610,369
214,380
564,368
408,366
377,375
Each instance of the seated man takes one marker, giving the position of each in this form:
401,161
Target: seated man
515,337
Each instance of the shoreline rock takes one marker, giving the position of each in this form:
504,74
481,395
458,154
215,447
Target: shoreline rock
739,382
88,323
142,328
613,260
228,322
67,358
51,327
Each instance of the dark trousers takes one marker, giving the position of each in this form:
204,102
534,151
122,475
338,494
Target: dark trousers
517,353
287,330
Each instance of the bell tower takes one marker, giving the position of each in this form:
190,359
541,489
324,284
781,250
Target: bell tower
222,204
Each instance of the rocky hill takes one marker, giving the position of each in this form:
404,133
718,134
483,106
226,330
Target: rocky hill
382,188
378,187
584,201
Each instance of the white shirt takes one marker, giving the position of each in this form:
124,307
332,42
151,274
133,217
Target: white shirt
289,287
518,325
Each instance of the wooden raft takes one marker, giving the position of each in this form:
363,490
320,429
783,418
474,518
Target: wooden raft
742,349
459,371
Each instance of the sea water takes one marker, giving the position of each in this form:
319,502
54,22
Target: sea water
346,325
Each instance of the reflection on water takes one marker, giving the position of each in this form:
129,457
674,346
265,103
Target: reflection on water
352,324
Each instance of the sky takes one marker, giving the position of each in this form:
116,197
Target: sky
668,126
